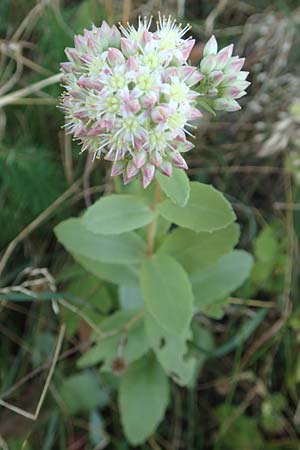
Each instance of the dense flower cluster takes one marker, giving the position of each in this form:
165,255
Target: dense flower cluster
132,97
223,80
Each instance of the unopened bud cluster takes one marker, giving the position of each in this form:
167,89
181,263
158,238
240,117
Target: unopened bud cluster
223,82
131,98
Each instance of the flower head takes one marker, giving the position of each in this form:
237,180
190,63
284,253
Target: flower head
131,97
224,82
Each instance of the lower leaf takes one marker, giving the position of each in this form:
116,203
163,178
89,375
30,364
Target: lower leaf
143,398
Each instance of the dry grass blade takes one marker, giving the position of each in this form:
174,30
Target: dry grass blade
34,416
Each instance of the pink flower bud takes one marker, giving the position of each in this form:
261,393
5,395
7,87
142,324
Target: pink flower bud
234,65
72,55
160,114
92,45
117,168
211,47
115,36
226,104
194,114
156,158
242,75
115,57
80,43
80,131
128,46
131,169
183,147
185,52
166,168
146,37
140,158
178,160
216,77
223,56
208,64
147,174
131,64
149,100
66,67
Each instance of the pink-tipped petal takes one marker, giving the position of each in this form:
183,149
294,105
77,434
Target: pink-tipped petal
156,158
115,57
166,168
208,64
223,56
211,47
194,114
131,169
148,172
117,168
178,161
140,158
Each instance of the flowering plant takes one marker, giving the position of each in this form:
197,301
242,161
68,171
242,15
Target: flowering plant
131,98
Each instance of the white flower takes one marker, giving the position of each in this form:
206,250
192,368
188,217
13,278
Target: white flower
131,98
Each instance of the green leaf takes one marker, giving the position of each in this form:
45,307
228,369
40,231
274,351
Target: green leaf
130,297
171,351
120,249
117,214
167,292
82,392
219,280
176,187
195,251
206,210
128,344
124,274
143,398
205,105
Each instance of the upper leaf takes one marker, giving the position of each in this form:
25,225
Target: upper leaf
167,292
206,210
121,274
196,251
218,281
117,214
143,398
130,297
121,249
176,187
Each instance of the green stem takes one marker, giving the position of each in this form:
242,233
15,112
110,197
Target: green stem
152,226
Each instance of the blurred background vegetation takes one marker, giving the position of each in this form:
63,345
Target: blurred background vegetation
247,394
